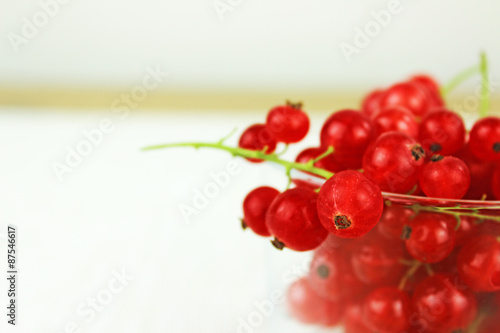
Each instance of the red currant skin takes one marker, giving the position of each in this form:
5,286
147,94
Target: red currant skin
393,162
308,307
293,219
479,263
496,183
430,237
349,205
484,139
407,95
288,123
331,274
387,310
397,119
255,207
371,103
442,132
445,177
490,324
326,163
444,304
431,87
481,174
349,132
258,137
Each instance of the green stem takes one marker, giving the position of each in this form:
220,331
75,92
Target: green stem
462,211
412,270
485,87
255,154
458,79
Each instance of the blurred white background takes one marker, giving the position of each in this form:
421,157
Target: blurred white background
119,208
258,44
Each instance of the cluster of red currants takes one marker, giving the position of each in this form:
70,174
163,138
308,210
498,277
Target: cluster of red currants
413,270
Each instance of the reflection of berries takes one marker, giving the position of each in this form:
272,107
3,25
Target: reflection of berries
387,309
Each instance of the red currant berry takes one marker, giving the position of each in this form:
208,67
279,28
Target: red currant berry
293,219
308,307
349,132
431,87
288,123
445,177
481,173
258,137
484,139
353,319
495,186
326,163
395,119
349,205
430,237
255,207
442,132
387,310
479,263
371,103
444,304
407,95
393,162
376,261
331,274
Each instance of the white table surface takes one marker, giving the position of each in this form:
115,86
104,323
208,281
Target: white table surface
119,210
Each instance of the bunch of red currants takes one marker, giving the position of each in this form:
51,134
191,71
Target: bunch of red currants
427,264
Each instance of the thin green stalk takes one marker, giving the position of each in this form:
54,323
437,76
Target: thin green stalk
458,211
256,154
484,106
458,79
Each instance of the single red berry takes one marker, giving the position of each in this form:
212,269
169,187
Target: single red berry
481,173
307,306
288,123
442,132
431,87
393,162
353,319
293,219
443,303
407,95
395,118
331,274
387,310
376,260
255,207
349,205
371,103
479,263
258,137
495,185
349,132
326,163
430,237
445,177
484,139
